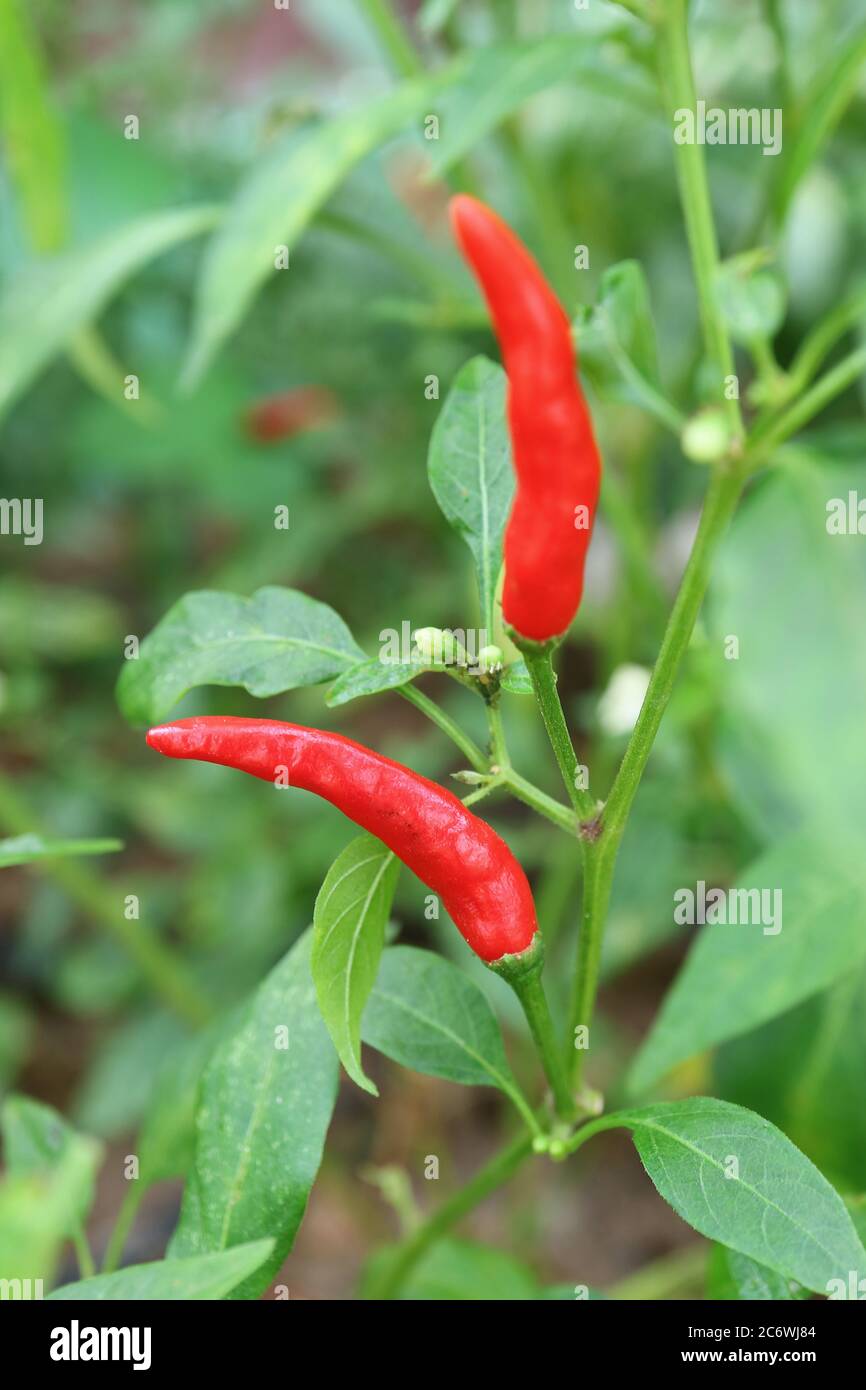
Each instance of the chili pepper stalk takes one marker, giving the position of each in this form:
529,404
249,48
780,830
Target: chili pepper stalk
523,972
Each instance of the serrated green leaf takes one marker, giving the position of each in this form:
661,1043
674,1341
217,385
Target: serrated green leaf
274,205
371,678
349,923
739,976
275,641
44,307
424,1013
470,470
265,1103
29,849
740,1181
198,1278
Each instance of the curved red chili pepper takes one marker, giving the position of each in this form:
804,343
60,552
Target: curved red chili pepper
456,854
556,459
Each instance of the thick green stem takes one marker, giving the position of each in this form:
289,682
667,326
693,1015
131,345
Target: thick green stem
500,1168
164,971
543,677
443,721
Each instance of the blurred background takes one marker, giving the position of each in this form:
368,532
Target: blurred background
551,114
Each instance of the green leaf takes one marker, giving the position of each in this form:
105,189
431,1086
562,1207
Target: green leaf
371,678
275,641
731,1275
32,134
349,923
37,1212
829,92
44,307
617,341
515,678
276,203
751,300
166,1140
469,466
424,1013
801,756
28,849
804,1071
489,83
463,1271
37,1141
778,1209
435,14
198,1278
738,976
265,1104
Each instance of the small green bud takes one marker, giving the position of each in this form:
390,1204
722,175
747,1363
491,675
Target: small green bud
437,645
707,436
490,659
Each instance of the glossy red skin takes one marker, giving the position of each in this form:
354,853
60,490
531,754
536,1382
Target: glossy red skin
456,854
556,458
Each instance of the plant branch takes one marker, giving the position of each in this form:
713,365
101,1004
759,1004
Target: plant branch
545,805
678,85
443,721
771,433
500,1168
543,678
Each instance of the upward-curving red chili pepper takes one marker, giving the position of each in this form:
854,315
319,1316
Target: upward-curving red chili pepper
456,854
556,459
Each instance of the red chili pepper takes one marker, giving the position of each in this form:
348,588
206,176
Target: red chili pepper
555,455
289,413
456,854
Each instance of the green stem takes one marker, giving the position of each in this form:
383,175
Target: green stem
157,962
498,747
500,1168
443,721
392,37
771,433
664,1277
679,87
818,342
719,505
545,805
86,1266
530,991
543,677
122,1226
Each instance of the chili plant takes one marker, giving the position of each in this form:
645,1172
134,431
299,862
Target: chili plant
243,1111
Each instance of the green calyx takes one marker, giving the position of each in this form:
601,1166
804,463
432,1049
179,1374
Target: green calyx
517,966
529,646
